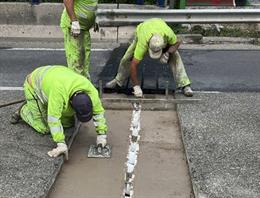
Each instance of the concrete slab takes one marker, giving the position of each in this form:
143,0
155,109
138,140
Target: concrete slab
161,170
96,178
221,138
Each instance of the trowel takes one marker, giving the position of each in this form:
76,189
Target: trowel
96,151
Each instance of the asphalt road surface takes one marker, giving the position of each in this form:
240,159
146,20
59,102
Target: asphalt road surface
219,70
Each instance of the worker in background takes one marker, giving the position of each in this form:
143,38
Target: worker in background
76,20
156,37
54,95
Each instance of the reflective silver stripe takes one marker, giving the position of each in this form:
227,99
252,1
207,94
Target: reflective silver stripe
38,83
82,15
100,123
98,116
89,7
52,119
56,129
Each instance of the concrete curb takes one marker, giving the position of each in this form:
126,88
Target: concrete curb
193,185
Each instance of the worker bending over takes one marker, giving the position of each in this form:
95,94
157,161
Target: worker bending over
155,36
54,95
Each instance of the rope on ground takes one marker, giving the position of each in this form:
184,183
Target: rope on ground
11,103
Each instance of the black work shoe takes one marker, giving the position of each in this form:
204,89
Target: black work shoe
15,118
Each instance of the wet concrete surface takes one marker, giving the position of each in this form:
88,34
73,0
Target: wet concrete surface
161,170
221,138
93,177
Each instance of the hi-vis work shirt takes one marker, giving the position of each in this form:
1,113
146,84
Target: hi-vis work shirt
145,31
54,86
84,11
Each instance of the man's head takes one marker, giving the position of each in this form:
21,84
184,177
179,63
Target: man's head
82,105
156,44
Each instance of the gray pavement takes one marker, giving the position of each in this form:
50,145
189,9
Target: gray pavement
161,169
26,169
221,137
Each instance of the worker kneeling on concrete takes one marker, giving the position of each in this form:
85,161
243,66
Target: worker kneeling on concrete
155,36
54,95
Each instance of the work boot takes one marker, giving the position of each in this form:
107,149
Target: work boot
15,118
187,91
112,84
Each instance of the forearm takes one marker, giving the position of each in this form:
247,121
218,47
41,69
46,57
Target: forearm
100,124
69,4
173,48
56,129
133,71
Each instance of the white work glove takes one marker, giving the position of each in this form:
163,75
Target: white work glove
138,91
60,149
75,28
165,58
102,140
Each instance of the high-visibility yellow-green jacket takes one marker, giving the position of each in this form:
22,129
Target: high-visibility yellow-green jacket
54,86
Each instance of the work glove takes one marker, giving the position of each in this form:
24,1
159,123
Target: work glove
60,149
75,28
165,58
102,140
138,91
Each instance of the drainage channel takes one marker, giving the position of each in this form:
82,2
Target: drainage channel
132,151
161,170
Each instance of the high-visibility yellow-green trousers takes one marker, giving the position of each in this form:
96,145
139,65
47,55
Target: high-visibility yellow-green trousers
77,51
175,63
34,112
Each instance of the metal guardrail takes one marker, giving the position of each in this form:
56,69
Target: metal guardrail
124,17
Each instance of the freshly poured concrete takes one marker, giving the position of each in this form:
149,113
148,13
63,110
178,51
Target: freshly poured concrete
90,177
161,170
